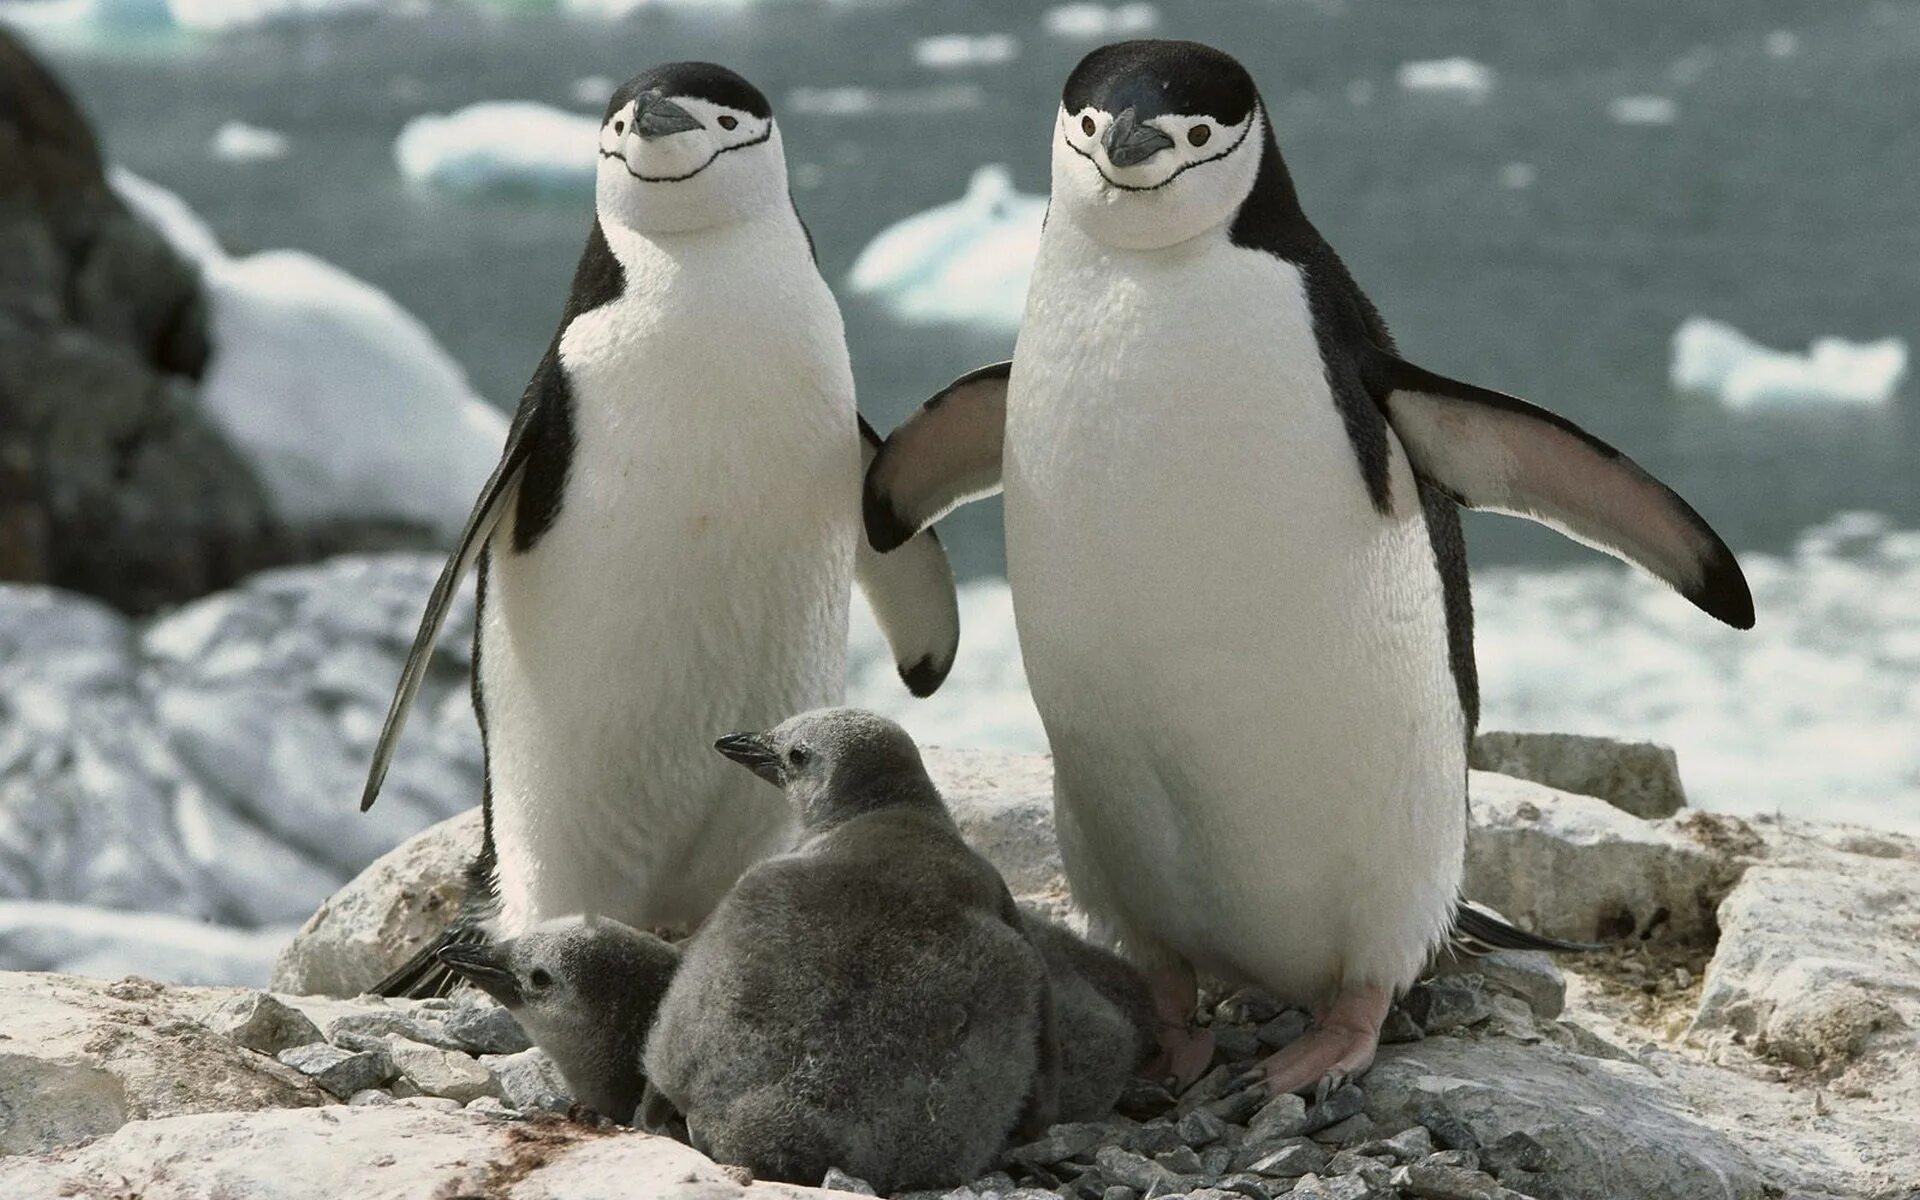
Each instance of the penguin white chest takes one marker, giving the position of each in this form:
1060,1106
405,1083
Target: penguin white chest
694,581
1241,663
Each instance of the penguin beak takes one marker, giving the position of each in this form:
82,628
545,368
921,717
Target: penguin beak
655,116
484,966
1129,142
754,752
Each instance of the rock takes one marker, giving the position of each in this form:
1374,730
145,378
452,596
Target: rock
1576,867
1447,1003
1612,1129
1284,1030
1200,1128
1063,1142
1339,1187
1413,1142
81,1057
261,1022
438,1072
340,1071
1283,1116
1348,1131
1140,1174
1530,975
1004,805
483,1027
1434,1181
529,1081
1340,1104
1299,1156
839,1181
1642,778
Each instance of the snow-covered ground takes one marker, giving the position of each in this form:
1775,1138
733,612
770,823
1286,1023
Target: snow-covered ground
1713,358
966,261
344,402
1814,712
517,144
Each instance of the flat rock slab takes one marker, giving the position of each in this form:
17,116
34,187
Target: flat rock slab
1611,1129
395,1152
1642,778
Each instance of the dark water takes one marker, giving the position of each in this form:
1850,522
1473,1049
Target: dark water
1783,198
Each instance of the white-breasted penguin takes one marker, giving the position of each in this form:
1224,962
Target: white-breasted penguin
668,541
1237,564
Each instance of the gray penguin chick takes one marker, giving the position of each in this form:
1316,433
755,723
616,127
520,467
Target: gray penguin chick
1103,1017
585,988
871,1000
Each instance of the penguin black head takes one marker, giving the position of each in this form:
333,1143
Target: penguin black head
1159,141
686,146
835,763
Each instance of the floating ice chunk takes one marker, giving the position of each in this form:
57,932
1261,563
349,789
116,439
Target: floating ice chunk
167,213
855,101
79,939
237,141
950,51
1456,76
594,90
1714,358
500,144
1642,110
1783,43
1518,176
1097,21
220,15
966,261
1360,92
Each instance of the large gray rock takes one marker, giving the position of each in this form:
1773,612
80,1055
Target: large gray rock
1642,778
206,765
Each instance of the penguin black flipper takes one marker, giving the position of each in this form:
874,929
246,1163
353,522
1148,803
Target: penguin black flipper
941,457
1478,930
1492,451
911,593
424,975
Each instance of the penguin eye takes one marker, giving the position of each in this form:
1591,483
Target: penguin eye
1199,134
727,122
1086,126
540,978
799,756
619,127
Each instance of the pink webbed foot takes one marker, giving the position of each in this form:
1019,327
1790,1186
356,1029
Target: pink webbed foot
1186,1049
1339,1046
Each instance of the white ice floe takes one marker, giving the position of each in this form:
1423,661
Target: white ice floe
951,51
1461,77
967,261
237,141
515,144
1783,43
851,100
218,15
1099,21
1642,110
1518,176
77,939
344,402
1811,713
1713,358
594,90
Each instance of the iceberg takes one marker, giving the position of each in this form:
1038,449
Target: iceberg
967,261
344,402
1461,77
950,51
496,144
1096,22
237,141
1713,358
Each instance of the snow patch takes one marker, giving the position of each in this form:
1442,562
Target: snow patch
951,51
966,261
1642,110
497,144
1713,358
237,141
1098,21
1461,77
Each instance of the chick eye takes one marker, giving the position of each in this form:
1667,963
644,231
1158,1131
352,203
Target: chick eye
541,978
619,127
1086,126
799,756
1199,134
727,122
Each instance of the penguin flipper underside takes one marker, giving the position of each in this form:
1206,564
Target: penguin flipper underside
941,457
495,495
1492,451
911,593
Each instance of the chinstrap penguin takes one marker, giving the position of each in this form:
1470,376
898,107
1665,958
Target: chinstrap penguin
667,543
1103,1017
870,1000
1237,565
585,989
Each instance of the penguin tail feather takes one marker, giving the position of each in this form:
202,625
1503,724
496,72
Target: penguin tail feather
1479,930
424,976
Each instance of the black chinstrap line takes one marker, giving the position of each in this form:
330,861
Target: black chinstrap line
1178,172
690,174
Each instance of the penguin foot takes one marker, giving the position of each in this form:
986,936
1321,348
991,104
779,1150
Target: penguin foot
1339,1046
1186,1049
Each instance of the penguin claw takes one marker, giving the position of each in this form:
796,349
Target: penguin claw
1340,1046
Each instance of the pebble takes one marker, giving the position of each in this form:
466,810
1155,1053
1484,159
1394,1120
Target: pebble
1141,1174
1283,1116
436,1103
1448,1003
1340,1104
1434,1182
492,1107
1063,1142
1399,1028
1154,1137
839,1181
1339,1187
1413,1143
342,1072
485,1029
1518,1151
1201,1128
1248,1006
529,1081
1143,1098
1355,1129
1235,1043
1119,1191
438,1072
1284,1029
262,1023
1182,1160
1297,1158
370,1098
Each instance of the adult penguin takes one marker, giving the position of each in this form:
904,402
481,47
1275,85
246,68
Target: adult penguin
668,542
1237,564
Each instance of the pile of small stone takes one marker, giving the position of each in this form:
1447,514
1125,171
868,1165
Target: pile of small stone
444,1054
1226,1138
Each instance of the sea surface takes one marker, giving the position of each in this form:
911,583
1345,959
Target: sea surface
1629,165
